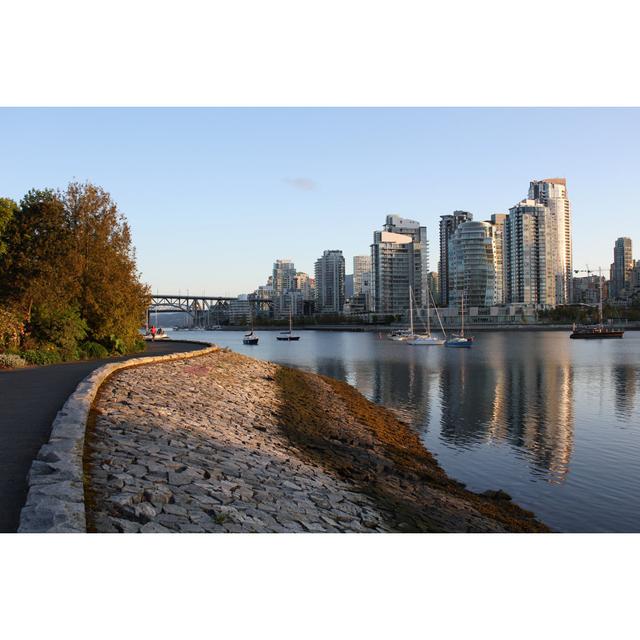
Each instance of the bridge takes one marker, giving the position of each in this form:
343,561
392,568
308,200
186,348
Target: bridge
207,311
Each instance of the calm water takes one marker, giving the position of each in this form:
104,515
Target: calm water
554,422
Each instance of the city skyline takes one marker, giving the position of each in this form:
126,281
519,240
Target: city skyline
326,175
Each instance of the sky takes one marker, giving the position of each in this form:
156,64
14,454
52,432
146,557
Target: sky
215,195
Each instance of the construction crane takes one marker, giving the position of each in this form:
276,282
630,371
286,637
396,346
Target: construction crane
589,272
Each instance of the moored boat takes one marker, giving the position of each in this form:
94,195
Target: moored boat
426,339
595,331
250,338
287,336
459,340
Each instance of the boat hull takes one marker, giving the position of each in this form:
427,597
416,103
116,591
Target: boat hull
288,339
250,341
426,343
596,335
458,344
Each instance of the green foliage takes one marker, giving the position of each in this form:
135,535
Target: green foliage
63,328
92,350
11,329
116,344
8,209
68,269
45,355
11,361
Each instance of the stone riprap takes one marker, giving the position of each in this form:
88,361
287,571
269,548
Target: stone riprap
55,502
196,446
226,443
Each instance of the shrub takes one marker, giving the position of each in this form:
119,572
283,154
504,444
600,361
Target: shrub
11,361
61,327
92,350
115,344
139,345
11,329
45,355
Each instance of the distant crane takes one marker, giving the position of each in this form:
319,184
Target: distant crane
589,272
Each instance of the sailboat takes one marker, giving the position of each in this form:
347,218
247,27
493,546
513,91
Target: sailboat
459,340
251,337
288,335
425,339
599,330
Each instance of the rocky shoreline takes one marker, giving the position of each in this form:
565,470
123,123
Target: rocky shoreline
226,443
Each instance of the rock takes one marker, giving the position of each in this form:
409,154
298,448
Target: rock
154,527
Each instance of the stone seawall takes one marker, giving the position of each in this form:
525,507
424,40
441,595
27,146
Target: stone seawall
56,499
226,443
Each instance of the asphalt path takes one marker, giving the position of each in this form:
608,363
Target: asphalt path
30,398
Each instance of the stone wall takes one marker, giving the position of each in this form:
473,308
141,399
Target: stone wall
55,502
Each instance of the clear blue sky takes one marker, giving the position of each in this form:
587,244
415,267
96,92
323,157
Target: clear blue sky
215,195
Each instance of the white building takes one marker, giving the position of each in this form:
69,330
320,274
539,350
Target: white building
472,265
400,262
552,192
530,257
361,265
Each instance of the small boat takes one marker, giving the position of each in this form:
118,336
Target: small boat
399,335
596,331
459,340
288,336
424,339
250,338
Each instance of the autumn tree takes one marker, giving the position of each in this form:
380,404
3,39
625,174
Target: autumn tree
110,296
68,268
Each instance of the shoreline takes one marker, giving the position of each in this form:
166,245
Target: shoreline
230,443
388,328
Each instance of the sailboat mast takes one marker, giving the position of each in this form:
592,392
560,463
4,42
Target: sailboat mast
462,318
428,311
600,287
411,310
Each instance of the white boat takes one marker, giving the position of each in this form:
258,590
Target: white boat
422,339
250,338
460,340
288,335
399,335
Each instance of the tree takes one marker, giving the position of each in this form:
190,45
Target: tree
111,297
8,209
69,270
32,269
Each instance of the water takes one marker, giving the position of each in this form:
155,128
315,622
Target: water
554,422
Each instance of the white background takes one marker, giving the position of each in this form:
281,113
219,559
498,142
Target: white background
319,53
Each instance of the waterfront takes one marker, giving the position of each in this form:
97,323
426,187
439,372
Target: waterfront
552,421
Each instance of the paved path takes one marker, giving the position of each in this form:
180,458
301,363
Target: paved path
29,401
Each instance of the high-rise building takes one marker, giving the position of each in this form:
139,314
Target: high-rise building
303,283
621,267
448,225
284,272
400,260
552,192
348,285
330,282
529,254
361,264
434,287
498,222
472,265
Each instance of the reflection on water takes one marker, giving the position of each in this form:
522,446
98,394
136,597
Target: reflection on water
552,421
